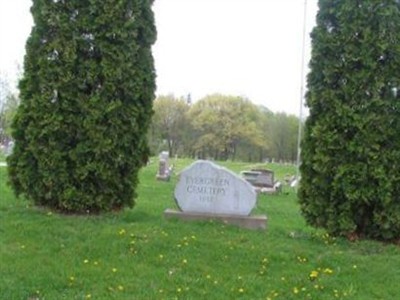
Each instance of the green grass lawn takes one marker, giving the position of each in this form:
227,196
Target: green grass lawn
137,254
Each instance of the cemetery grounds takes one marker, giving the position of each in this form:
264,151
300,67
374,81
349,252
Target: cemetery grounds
137,254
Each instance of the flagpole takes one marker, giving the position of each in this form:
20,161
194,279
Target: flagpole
301,95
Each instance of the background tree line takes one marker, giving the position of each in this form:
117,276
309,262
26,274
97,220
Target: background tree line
8,106
217,126
222,127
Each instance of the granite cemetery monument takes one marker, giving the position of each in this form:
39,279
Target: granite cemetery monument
262,180
164,170
208,191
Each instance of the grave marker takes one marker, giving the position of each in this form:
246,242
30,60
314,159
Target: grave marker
206,190
164,170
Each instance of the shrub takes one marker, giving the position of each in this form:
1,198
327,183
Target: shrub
86,103
351,148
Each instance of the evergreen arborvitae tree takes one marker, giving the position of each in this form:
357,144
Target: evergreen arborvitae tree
86,104
350,172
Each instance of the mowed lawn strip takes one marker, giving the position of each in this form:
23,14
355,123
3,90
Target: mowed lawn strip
137,254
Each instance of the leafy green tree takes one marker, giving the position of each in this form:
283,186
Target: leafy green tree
350,168
283,131
254,141
170,122
8,103
7,113
221,123
86,104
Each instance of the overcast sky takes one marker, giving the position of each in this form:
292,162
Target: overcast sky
250,48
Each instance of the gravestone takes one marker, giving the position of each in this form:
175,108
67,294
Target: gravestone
164,171
208,191
164,155
262,180
265,178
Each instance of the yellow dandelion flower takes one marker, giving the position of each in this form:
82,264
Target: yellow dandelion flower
72,278
184,261
86,261
208,276
179,290
313,275
114,270
95,263
354,266
193,237
161,256
215,281
88,296
265,260
241,290
295,290
283,278
120,287
328,271
122,232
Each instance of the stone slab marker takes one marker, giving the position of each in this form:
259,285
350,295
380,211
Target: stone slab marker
164,171
208,191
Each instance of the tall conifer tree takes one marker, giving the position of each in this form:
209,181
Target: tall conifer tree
86,103
350,168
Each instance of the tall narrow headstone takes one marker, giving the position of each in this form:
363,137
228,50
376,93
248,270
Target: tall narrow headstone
163,167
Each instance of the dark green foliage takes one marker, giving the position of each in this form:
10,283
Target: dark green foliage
351,149
86,104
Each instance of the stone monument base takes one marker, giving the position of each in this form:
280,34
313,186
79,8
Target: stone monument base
162,177
249,222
